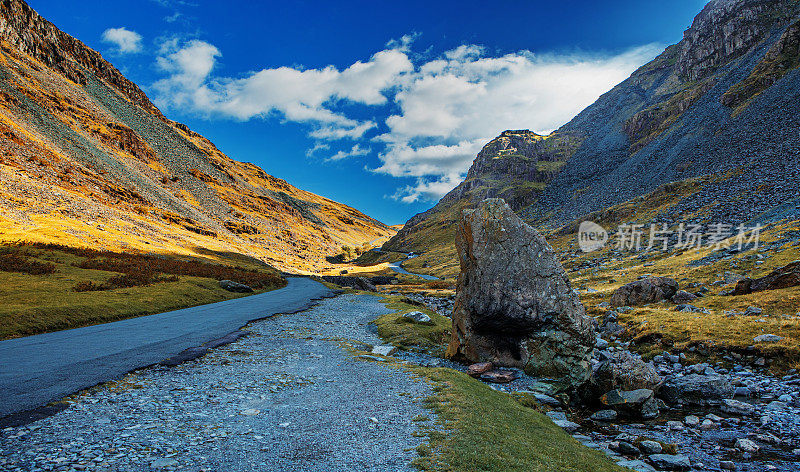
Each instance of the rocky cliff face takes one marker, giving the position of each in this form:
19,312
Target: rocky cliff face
87,159
723,102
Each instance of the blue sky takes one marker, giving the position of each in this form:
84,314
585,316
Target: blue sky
379,105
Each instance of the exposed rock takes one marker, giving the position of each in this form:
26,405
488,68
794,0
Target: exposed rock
358,283
638,402
787,276
604,416
232,286
476,370
637,465
383,280
735,407
670,462
683,297
650,447
624,447
546,399
499,376
567,425
384,350
418,317
514,304
625,371
767,338
746,445
753,311
696,389
649,290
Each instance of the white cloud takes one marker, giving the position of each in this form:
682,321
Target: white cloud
305,96
126,41
355,151
443,109
453,105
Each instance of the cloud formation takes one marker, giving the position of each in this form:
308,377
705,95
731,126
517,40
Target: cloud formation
426,118
125,40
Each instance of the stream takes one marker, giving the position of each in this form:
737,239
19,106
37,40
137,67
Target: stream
398,267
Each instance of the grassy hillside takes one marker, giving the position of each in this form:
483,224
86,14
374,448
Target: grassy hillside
86,158
49,288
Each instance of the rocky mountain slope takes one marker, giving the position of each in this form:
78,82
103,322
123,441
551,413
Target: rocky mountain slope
722,104
87,159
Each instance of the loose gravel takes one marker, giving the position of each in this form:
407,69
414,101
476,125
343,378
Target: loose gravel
288,397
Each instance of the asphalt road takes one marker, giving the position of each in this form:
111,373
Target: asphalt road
35,370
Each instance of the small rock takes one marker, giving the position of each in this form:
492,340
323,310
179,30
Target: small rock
567,425
163,463
475,370
650,447
746,445
604,416
546,399
670,461
691,420
384,350
498,376
418,317
727,465
753,311
767,338
735,407
232,286
637,465
250,412
624,447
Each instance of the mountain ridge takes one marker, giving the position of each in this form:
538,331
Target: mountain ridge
87,158
722,102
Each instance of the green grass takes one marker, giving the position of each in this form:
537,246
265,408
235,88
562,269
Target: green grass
404,334
33,304
480,429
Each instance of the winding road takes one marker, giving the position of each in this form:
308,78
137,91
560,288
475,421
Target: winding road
35,370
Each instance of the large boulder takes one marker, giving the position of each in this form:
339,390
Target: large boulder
696,389
648,290
787,276
625,371
514,305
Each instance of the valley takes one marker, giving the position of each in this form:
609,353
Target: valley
619,293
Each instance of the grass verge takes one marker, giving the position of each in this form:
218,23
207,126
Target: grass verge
480,429
33,302
396,330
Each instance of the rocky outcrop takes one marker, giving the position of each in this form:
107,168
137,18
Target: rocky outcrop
625,371
787,276
696,389
26,30
514,304
649,290
664,126
781,58
724,30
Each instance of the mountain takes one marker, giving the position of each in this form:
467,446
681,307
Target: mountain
87,159
713,118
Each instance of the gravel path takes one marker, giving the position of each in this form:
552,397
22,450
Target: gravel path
287,397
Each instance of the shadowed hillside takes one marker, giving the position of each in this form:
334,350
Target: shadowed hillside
723,103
